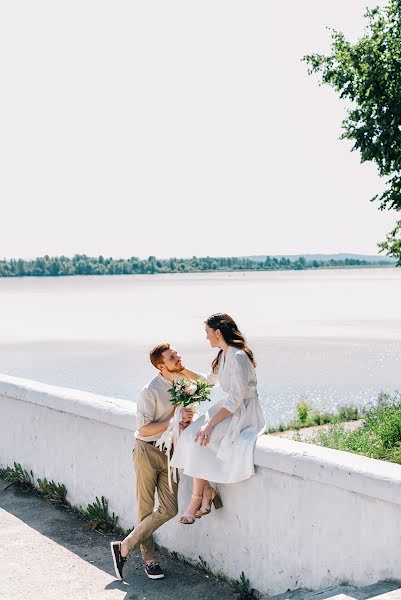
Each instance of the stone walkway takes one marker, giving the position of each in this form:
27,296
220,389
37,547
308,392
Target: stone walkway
45,554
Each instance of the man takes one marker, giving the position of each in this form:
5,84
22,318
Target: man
154,412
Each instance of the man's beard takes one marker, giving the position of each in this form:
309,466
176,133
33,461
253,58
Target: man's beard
176,369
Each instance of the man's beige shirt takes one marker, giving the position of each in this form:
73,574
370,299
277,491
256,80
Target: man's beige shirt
154,405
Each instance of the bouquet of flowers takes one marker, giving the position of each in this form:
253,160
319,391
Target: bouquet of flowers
184,393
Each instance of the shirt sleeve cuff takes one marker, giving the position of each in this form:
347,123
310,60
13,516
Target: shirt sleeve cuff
142,420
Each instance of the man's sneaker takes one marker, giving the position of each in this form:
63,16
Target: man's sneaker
118,560
154,571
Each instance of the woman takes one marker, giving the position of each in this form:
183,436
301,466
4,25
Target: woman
218,447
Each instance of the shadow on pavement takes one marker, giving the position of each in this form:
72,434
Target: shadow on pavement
66,528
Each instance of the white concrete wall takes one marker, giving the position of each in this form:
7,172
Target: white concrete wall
310,517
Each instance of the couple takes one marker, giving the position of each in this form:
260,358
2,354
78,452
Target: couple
214,448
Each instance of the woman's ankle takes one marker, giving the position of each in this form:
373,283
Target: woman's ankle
208,492
194,504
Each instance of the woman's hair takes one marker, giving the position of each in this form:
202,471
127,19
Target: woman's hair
231,334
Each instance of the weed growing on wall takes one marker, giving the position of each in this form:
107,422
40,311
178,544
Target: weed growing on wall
56,493
97,514
242,588
18,477
203,565
99,518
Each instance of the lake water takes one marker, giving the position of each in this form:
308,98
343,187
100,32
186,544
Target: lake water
331,335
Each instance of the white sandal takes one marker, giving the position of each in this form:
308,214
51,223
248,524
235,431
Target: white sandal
190,519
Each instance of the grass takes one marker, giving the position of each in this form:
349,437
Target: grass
378,437
307,416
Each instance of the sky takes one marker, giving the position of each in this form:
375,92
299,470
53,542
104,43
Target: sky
179,128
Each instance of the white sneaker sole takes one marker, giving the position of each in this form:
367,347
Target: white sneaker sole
155,576
118,576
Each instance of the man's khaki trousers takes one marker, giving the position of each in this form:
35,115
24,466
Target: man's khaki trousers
151,475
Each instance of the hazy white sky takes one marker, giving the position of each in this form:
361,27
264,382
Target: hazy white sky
177,128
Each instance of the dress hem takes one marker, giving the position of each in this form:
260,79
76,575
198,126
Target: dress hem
197,476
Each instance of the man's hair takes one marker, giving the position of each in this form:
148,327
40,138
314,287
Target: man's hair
155,354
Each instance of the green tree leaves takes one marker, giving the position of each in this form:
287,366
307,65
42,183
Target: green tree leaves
368,75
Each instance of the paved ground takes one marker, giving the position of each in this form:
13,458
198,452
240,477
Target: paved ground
45,554
382,590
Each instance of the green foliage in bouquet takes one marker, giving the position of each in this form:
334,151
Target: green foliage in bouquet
185,392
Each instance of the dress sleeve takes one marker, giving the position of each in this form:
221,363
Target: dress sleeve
145,408
238,382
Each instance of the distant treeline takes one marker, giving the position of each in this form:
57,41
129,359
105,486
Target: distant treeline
81,264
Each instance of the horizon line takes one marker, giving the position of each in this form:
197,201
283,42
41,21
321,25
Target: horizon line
176,257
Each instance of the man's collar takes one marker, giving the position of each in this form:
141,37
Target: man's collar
165,379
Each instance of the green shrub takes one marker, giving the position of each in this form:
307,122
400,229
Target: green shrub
348,413
378,437
307,416
303,409
385,420
321,418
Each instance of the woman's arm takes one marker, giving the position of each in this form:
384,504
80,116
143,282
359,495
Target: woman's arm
210,377
191,374
206,431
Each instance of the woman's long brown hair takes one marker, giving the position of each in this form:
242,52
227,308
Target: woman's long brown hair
231,335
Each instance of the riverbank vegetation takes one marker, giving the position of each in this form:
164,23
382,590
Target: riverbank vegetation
307,416
80,264
379,435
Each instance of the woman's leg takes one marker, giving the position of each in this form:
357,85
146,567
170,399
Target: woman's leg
209,495
195,502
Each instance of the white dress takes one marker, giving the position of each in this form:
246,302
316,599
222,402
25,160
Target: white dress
228,457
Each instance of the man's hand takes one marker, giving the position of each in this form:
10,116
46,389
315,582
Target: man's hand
187,416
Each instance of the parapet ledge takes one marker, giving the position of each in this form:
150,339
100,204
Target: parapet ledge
374,478
120,413
359,474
